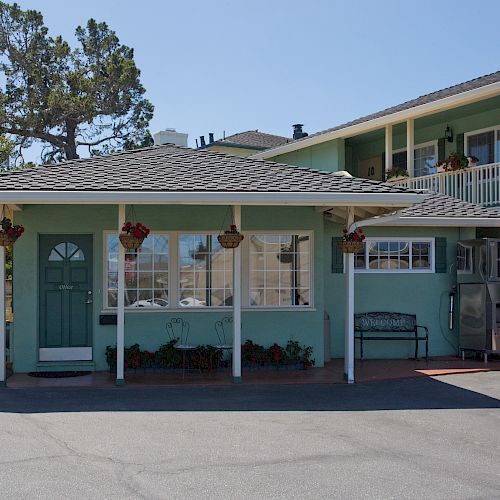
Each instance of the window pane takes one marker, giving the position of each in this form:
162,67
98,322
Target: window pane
146,273
482,146
279,265
205,272
425,160
399,160
395,255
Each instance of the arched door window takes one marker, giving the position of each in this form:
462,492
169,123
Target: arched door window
66,250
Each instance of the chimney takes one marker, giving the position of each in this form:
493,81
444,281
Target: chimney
298,132
170,136
210,137
202,141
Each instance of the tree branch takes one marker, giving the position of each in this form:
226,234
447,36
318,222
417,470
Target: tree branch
53,139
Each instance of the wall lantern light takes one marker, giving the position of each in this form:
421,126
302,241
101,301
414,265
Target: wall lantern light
448,133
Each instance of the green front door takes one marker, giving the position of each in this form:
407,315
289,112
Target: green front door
66,297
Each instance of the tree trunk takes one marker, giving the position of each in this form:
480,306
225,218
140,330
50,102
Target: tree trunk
70,144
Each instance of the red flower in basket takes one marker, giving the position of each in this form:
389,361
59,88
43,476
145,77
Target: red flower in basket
356,235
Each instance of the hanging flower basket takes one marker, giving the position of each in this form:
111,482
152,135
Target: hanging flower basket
231,238
350,246
285,256
9,233
130,242
352,242
133,235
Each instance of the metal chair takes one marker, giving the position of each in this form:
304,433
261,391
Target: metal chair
224,332
178,330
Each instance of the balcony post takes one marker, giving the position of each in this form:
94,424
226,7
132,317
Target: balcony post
349,306
388,147
410,146
237,300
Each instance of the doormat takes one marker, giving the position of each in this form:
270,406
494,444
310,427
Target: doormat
59,374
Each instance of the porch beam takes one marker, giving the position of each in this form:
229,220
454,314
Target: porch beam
388,148
120,313
237,300
349,307
410,146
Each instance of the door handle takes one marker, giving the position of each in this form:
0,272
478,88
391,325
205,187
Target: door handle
89,297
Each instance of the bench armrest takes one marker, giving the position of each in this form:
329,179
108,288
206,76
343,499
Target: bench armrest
425,328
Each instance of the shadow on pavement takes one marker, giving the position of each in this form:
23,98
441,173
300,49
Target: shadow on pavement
409,394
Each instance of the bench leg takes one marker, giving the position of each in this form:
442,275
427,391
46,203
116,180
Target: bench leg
416,348
426,349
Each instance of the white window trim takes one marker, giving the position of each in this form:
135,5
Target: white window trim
468,259
105,307
495,129
399,271
178,274
419,146
246,274
174,273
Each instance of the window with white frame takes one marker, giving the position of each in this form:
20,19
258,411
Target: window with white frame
425,158
396,255
464,259
484,145
280,270
146,272
205,272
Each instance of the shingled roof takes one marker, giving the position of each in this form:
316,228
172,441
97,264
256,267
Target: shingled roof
175,169
253,139
427,98
454,90
440,205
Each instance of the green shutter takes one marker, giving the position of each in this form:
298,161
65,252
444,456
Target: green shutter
337,256
460,143
440,256
441,149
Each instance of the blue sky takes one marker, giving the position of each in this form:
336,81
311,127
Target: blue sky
216,65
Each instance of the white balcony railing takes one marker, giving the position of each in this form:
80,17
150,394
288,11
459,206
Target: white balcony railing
475,184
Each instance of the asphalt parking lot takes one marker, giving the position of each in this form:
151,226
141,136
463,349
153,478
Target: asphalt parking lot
414,438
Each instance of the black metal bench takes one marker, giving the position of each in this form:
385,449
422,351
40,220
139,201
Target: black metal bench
367,324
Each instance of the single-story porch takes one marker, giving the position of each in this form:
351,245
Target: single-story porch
77,291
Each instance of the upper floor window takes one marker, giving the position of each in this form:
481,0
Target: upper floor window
484,145
280,270
425,158
396,255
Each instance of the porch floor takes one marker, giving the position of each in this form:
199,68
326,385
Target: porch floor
366,371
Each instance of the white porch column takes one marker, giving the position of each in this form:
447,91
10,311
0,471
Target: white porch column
349,307
410,146
237,300
3,374
388,147
120,319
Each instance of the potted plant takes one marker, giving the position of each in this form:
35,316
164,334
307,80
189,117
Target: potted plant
472,160
454,162
9,233
132,235
352,242
396,174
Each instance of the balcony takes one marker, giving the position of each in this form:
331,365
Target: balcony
479,185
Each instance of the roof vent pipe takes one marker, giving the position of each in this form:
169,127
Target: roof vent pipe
210,137
298,133
202,141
